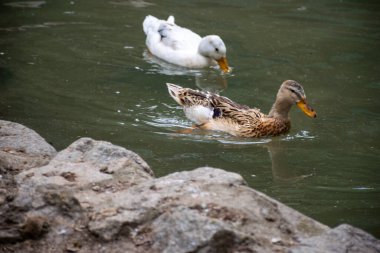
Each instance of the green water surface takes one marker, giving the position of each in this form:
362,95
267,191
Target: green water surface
70,69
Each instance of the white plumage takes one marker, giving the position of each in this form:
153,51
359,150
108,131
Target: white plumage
199,114
181,46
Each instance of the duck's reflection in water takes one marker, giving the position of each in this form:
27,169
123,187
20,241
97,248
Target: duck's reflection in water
211,81
282,171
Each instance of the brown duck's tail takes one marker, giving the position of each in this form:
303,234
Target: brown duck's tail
174,91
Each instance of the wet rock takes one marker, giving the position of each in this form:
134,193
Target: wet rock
22,148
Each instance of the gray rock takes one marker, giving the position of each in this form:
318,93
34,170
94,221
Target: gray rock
22,148
86,166
98,197
144,202
343,238
64,191
196,211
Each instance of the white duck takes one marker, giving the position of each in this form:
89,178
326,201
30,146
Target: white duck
181,46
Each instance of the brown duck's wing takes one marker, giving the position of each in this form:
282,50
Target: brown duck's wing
189,97
241,114
223,107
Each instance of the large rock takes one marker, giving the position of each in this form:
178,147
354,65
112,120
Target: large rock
200,205
97,197
60,194
343,238
22,148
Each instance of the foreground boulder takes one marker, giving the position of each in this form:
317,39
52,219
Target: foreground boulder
98,197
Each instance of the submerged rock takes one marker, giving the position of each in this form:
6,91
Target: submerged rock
98,197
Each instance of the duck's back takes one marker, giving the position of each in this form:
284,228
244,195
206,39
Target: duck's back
173,43
179,38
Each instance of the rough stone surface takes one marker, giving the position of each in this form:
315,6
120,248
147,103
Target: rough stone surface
97,197
343,238
22,148
54,202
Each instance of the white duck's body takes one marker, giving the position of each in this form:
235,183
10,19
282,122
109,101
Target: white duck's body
181,46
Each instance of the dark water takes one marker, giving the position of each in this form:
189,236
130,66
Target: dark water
79,68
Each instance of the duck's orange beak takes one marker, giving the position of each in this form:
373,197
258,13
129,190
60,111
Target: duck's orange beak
223,64
302,104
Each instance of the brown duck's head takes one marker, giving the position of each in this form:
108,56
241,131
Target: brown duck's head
293,93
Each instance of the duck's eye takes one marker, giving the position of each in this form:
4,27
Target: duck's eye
216,49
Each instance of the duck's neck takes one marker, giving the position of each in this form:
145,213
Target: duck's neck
204,61
280,109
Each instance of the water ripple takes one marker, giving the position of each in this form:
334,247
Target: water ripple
362,189
29,4
303,135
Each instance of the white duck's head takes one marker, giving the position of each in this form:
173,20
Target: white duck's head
212,46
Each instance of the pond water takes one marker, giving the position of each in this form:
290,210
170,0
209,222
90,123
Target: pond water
70,69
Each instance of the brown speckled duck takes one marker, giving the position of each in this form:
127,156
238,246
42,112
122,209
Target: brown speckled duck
213,112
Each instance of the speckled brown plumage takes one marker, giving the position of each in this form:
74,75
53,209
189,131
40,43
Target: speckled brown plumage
240,120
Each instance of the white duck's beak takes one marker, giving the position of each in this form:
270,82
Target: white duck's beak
223,64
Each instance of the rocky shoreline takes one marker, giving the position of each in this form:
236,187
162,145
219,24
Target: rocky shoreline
94,196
